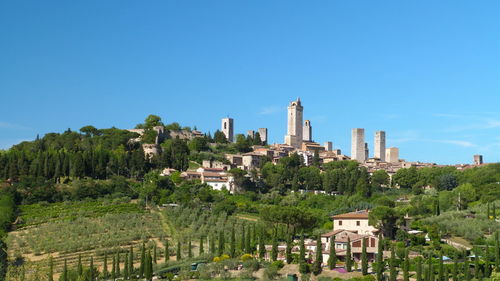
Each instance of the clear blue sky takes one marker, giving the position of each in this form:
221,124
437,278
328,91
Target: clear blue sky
426,72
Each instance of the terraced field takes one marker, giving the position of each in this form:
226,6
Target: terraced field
64,231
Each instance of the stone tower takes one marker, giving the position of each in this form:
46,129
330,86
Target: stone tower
478,159
367,151
392,155
307,131
263,135
328,146
358,145
380,145
294,132
228,128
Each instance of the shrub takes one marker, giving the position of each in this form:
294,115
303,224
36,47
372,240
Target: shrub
278,264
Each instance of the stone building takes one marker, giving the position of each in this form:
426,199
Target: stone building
358,144
263,135
295,130
228,128
478,159
307,131
328,146
392,155
367,151
380,145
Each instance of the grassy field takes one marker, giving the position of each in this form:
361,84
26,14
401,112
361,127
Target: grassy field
66,230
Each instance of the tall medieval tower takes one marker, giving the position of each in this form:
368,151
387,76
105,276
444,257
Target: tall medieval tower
294,133
227,128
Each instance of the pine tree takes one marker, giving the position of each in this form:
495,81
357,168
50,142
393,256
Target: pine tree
190,250
392,266
302,254
332,259
221,244
143,261
419,269
348,257
51,270
92,278
316,269
406,267
167,251
441,267
364,259
380,259
289,250
178,254
232,250
201,246
113,269
274,250
105,267
79,266
262,247
64,276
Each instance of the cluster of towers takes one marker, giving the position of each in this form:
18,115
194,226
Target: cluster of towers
360,151
297,131
227,127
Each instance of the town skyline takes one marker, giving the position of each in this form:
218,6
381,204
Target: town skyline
431,84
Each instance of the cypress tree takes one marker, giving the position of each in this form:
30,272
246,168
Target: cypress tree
248,247
289,250
274,251
92,278
118,273
380,259
190,250
232,250
430,270
446,274
155,257
406,267
65,271
131,262
441,267
332,259
262,247
201,246
494,211
254,238
212,245
432,275
146,266
392,266
125,268
105,267
419,269
178,257
364,259
302,255
316,269
488,210
242,242
497,251
455,268
487,270
51,270
221,244
143,261
467,274
79,266
348,258
476,264
427,277
167,251
113,269
148,270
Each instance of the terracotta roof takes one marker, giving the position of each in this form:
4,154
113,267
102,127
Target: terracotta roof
363,214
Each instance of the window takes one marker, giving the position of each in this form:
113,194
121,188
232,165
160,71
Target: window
357,223
225,125
340,222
